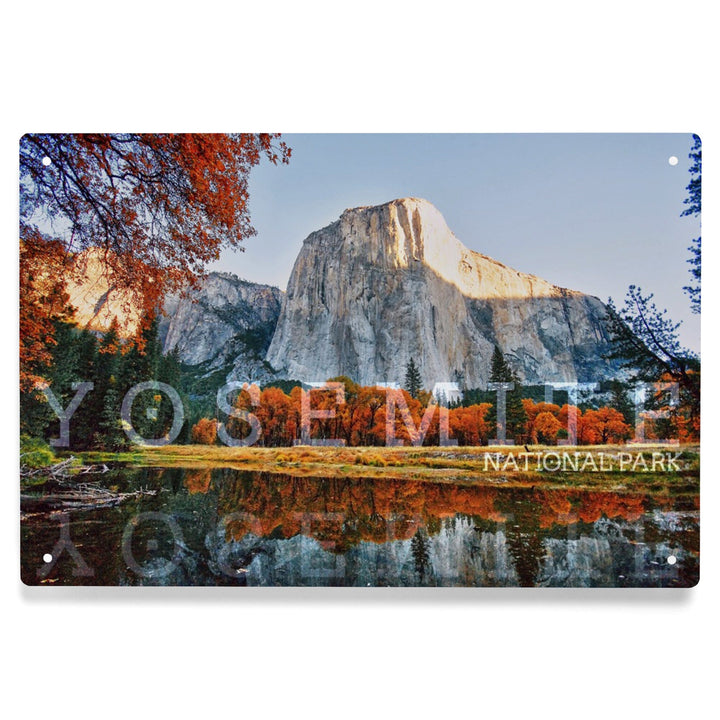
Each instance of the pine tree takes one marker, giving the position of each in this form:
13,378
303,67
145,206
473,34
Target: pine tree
515,415
110,435
169,372
108,429
420,548
646,340
72,360
141,363
499,369
620,401
413,381
85,417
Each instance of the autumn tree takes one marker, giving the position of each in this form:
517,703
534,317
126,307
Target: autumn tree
584,435
547,427
469,424
43,303
158,208
545,431
204,432
408,411
240,425
369,402
274,414
607,425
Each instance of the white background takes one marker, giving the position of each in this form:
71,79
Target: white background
213,66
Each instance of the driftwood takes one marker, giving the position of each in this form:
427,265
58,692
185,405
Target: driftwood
64,488
63,469
82,497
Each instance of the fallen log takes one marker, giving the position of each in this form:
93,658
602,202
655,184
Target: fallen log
65,469
79,498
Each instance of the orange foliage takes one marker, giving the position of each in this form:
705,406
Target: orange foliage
676,420
468,424
547,426
564,507
204,432
197,481
158,206
345,511
533,410
361,419
43,300
276,416
606,425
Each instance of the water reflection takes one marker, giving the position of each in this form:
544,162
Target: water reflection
224,527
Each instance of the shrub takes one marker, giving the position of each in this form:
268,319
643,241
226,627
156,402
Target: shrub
204,432
35,452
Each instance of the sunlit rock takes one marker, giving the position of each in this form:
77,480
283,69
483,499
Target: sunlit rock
388,283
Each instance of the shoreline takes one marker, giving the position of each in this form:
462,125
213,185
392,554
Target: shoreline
617,468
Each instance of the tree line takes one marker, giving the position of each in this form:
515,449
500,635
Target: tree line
114,366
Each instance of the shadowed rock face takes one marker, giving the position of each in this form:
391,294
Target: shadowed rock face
201,325
227,321
384,284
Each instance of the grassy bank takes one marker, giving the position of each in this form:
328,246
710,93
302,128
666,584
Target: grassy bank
593,467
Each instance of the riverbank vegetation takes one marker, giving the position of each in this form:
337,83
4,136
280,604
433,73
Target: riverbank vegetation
614,467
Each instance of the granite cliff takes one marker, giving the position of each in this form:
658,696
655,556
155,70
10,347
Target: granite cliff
376,287
386,283
97,301
226,324
228,321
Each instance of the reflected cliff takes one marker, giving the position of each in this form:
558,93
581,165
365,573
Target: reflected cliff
224,527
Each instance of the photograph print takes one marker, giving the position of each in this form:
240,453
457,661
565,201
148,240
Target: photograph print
407,360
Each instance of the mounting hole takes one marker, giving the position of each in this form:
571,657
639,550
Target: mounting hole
47,558
47,161
673,160
671,559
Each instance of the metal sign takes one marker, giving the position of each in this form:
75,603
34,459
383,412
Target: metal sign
443,360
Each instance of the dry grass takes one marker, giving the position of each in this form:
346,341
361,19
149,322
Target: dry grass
438,464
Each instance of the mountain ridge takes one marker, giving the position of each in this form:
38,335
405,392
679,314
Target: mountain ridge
384,283
374,288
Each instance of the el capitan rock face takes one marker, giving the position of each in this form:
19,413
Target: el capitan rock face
373,289
386,283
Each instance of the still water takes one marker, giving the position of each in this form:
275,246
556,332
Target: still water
226,527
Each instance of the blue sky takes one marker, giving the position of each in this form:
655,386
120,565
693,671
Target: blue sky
589,212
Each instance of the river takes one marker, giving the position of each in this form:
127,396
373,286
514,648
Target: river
227,527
